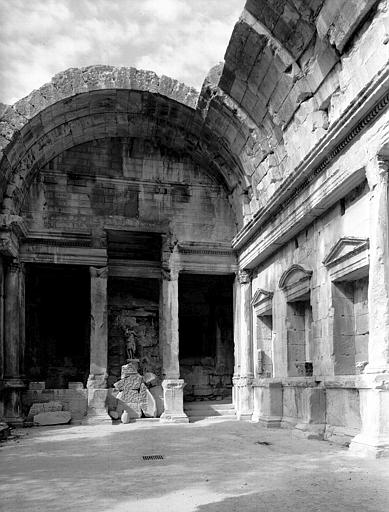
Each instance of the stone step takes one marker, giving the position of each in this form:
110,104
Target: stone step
209,409
229,417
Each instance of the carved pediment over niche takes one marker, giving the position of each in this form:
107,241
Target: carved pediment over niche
294,275
262,302
344,248
296,283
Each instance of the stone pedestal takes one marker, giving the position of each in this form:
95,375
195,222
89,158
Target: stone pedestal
173,394
312,425
373,440
97,381
97,412
267,403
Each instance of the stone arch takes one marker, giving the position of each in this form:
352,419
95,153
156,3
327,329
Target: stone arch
77,106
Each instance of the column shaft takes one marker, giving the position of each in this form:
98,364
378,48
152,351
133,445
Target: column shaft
244,388
13,341
97,381
169,339
379,272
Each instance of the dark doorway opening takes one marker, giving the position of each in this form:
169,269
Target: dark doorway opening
57,324
133,306
206,335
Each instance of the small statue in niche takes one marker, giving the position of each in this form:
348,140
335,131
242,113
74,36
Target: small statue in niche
130,342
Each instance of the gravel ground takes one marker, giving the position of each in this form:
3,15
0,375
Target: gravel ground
207,466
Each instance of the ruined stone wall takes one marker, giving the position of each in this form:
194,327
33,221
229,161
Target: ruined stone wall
292,71
124,183
347,218
133,304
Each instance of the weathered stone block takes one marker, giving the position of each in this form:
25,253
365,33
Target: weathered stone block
53,418
36,385
147,402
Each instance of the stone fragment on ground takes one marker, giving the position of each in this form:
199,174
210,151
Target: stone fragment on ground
45,407
147,402
150,379
157,393
4,431
129,368
53,418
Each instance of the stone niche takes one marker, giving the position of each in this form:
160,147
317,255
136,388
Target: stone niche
295,284
263,311
133,306
348,268
206,344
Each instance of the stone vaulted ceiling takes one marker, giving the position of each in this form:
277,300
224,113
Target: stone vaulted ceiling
257,116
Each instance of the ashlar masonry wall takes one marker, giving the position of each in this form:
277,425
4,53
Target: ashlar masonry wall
128,183
321,340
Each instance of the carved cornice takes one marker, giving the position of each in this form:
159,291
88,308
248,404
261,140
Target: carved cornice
203,248
59,242
295,282
262,301
99,273
351,245
244,276
307,172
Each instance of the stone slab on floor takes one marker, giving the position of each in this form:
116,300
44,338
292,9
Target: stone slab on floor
206,467
53,418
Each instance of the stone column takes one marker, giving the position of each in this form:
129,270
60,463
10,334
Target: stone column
13,384
236,376
172,385
379,269
245,389
97,380
373,386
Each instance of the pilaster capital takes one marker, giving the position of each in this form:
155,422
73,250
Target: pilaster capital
244,276
377,171
99,273
15,266
170,274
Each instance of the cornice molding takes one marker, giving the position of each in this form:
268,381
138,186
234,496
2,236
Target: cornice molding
366,108
337,253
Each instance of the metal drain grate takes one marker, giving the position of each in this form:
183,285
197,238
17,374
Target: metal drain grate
152,457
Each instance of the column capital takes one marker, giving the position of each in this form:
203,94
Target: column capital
15,266
99,272
170,274
244,276
377,170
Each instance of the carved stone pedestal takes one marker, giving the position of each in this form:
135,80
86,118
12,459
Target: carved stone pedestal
267,403
173,395
312,424
97,413
12,401
373,440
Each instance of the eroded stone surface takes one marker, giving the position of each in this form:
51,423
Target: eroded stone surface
52,418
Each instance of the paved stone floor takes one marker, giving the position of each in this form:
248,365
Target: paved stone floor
208,466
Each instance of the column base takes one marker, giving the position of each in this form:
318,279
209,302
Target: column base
244,416
310,430
267,422
97,413
173,398
369,447
173,418
12,402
